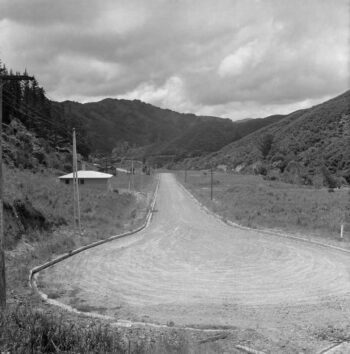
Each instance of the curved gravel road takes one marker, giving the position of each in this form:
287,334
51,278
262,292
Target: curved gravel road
191,268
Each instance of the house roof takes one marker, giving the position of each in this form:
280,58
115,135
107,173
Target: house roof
122,170
88,174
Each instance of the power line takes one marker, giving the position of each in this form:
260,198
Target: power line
12,100
31,108
34,114
49,105
27,114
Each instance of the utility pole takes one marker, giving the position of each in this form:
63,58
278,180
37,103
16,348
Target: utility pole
132,175
211,183
2,252
141,178
345,226
76,180
74,185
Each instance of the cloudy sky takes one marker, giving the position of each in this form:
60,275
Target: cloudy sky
228,58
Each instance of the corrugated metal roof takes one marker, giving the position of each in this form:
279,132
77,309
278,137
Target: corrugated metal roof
88,174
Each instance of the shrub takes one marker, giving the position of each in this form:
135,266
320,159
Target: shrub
261,170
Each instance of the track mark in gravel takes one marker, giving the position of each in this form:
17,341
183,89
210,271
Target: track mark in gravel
189,266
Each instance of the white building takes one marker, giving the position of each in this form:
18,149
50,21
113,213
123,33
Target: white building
92,179
222,168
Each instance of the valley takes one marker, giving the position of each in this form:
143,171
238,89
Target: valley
261,259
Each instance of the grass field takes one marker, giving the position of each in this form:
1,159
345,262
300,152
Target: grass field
251,201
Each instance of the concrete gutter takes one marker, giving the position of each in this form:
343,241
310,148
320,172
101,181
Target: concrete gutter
119,323
123,323
37,269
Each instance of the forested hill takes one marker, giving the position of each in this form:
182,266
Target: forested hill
308,140
144,130
155,130
26,102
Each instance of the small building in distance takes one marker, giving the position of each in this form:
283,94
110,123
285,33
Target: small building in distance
93,179
222,168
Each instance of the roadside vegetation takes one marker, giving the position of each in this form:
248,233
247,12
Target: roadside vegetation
103,213
44,231
254,202
27,330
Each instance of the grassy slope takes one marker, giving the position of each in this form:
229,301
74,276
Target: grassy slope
103,213
210,136
310,136
254,202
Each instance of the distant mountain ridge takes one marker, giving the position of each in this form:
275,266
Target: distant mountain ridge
155,131
310,139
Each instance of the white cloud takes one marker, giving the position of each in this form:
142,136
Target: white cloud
235,64
228,58
121,17
171,94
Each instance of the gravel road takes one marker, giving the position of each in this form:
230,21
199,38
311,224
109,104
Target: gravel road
190,268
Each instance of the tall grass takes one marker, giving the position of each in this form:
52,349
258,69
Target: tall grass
254,202
27,330
103,213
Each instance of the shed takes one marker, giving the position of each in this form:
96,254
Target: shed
92,179
222,168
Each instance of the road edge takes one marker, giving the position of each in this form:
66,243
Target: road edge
119,323
263,231
33,272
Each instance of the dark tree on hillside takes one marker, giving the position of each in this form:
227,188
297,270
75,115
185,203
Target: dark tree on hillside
265,145
329,180
27,102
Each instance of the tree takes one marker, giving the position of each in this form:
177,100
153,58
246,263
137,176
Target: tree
120,149
329,180
265,145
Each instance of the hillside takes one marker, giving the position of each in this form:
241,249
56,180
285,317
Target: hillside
130,128
210,136
308,138
150,130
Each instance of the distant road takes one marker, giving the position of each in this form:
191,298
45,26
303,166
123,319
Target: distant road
191,268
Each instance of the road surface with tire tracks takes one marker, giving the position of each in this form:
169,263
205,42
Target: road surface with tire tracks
190,268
